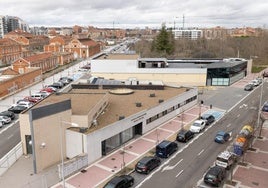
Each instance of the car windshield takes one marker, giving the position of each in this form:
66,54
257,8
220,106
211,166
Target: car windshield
220,133
197,124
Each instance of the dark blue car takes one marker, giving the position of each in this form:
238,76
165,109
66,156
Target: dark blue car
222,137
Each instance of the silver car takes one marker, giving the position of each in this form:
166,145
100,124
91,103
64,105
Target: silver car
5,119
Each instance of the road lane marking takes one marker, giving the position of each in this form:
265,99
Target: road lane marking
179,173
229,125
171,167
238,115
10,136
200,152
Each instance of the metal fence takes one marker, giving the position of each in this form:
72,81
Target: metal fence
10,158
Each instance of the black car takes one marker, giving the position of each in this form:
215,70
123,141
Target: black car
147,164
265,107
249,87
8,114
215,176
184,135
166,148
209,118
123,181
17,109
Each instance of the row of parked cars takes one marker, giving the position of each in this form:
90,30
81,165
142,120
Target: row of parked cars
25,103
252,84
163,150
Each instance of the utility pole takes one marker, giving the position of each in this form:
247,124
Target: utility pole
183,21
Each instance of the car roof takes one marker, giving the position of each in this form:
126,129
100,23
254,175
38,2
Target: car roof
146,159
221,133
214,170
164,143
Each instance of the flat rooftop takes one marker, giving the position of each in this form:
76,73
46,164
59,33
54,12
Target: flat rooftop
117,57
83,100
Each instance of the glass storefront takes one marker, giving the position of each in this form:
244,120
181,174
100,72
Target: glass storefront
224,76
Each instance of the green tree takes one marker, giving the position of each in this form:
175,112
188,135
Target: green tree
164,43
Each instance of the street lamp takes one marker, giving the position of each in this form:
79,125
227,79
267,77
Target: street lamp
61,147
259,112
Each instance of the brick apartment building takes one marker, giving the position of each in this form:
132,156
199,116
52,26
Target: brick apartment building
10,50
46,61
28,40
56,45
11,80
82,48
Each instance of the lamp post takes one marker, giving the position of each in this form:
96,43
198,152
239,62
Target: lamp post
61,147
259,112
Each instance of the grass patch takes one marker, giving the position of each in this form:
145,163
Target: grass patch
257,69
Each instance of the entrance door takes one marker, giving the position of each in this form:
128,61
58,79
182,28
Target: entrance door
29,148
138,129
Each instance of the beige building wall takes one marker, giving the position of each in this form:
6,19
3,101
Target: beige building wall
182,79
47,137
24,130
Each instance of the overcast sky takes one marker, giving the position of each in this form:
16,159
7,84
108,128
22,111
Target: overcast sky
139,13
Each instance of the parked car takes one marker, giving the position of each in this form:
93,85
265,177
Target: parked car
265,74
147,164
5,119
208,118
249,87
123,181
8,114
215,176
222,137
17,109
184,135
27,104
265,107
31,99
48,89
1,124
255,82
38,96
198,126
166,148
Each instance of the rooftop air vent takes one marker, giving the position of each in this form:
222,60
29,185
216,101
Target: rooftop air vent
138,104
94,122
160,100
152,95
121,117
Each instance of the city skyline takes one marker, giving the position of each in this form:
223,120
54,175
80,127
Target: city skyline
137,13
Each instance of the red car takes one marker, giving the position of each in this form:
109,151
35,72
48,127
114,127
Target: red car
47,89
31,99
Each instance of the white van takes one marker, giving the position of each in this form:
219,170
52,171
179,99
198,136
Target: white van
38,96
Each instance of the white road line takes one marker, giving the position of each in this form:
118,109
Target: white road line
179,173
238,115
229,125
10,136
200,152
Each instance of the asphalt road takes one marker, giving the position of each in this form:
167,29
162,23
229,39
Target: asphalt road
187,167
9,138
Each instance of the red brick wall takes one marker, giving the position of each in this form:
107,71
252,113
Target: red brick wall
19,82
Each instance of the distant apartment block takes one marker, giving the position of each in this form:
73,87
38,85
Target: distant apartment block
190,34
215,33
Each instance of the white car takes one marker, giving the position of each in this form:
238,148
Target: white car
255,82
27,104
198,126
5,119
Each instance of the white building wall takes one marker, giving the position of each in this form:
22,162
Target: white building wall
94,139
74,143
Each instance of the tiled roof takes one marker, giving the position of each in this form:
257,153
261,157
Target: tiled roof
88,42
9,71
7,41
20,32
38,57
